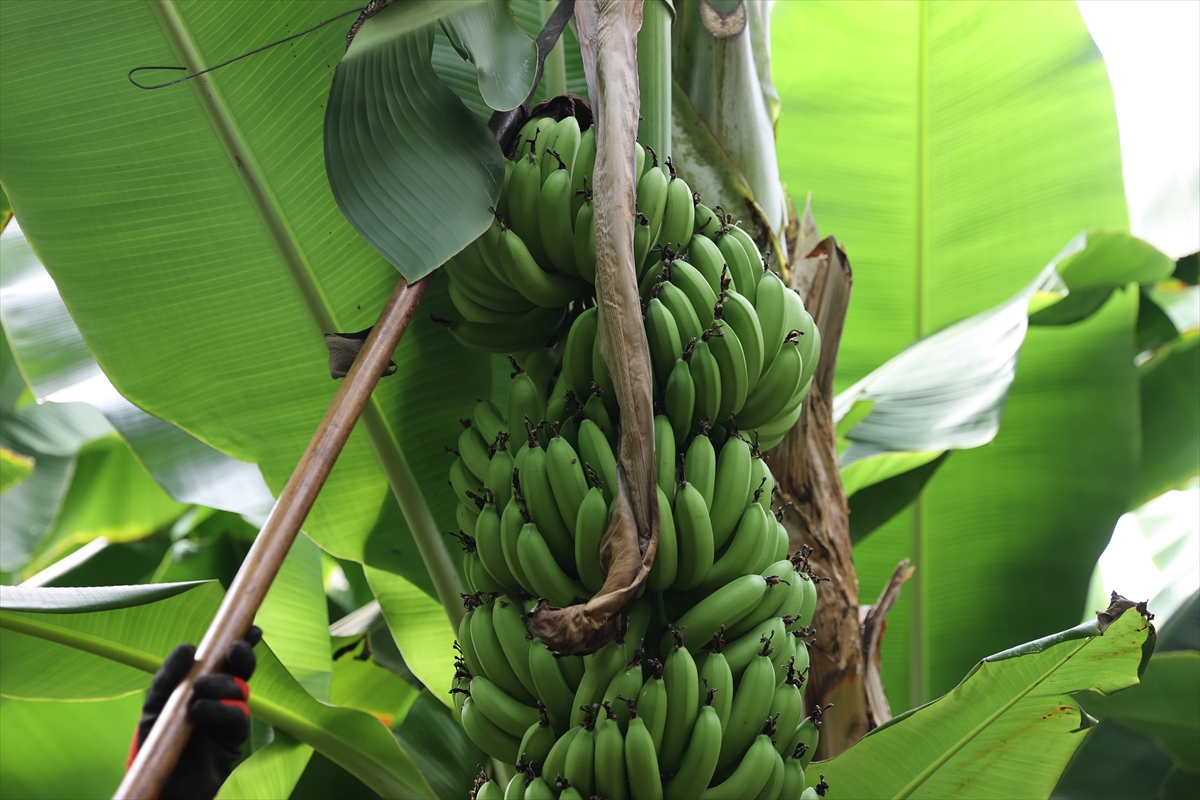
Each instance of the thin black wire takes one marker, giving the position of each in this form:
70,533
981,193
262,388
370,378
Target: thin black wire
230,61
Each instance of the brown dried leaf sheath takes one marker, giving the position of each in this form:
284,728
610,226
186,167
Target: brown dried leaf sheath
607,32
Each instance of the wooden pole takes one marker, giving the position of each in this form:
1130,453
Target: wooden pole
158,754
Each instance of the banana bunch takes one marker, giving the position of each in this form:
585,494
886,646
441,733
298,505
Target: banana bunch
700,696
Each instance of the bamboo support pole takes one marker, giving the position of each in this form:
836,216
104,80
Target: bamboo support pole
158,754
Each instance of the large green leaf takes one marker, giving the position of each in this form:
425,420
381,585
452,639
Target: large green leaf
295,621
202,256
412,168
946,154
92,655
56,750
504,55
1007,730
953,160
269,773
1170,393
14,468
60,368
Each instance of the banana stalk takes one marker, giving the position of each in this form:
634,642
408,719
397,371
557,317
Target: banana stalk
607,31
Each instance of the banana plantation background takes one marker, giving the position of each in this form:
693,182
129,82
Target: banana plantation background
1016,373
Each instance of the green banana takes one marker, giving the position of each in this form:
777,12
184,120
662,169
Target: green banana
590,524
488,420
751,704
809,604
662,335
551,686
695,538
753,256
782,542
511,522
696,287
625,684
641,761
580,765
473,450
680,399
498,479
652,704
606,663
527,137
682,311
547,577
516,787
585,241
739,265
479,579
556,760
496,666
602,379
470,657
762,483
466,516
664,455
774,391
779,589
639,159
569,792
700,761
530,329
525,189
666,561
772,315
469,269
538,739
679,216
610,760
706,221
567,139
731,490
810,347
555,223
793,779
706,257
742,555
497,743
707,377
717,682
651,197
643,237
724,607
808,733
573,669
738,313
731,359
745,650
772,433
508,621
596,452
489,791
537,789
577,358
581,170
774,784
682,682
545,149
549,290
787,706
505,712
567,482
597,412
539,497
700,468
462,481
491,549
474,311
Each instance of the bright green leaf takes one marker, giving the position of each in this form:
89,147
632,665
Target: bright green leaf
295,621
1170,394
269,773
14,468
1016,703
420,628
420,191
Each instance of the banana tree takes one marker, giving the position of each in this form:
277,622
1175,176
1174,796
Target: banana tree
318,173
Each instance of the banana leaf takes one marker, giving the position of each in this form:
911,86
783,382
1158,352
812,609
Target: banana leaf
1007,730
202,256
14,468
952,160
67,652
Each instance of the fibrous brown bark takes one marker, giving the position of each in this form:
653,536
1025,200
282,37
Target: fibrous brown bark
607,31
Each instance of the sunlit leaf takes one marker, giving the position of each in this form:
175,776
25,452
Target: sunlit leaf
14,468
1007,730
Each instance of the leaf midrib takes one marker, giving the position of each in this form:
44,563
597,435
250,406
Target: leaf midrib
970,736
387,448
268,711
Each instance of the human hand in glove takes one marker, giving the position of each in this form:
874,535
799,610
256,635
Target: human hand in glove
219,714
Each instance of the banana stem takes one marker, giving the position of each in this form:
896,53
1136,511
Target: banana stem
654,79
554,76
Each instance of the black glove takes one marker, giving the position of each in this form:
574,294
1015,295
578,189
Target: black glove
218,711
